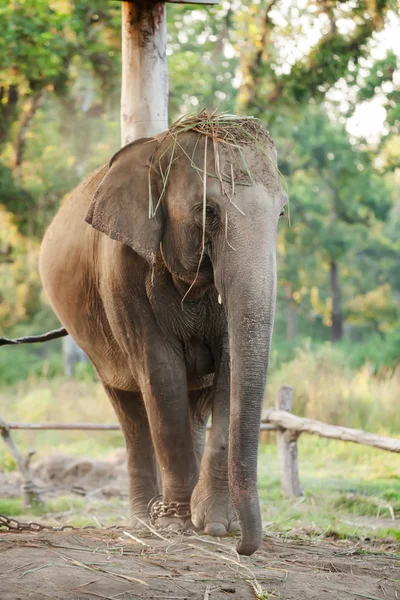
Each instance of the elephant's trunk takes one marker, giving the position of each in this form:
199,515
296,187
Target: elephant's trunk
249,297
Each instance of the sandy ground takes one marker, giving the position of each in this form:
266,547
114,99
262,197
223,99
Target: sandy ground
87,564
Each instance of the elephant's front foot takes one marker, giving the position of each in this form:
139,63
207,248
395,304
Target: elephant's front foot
174,524
140,522
173,516
139,513
212,510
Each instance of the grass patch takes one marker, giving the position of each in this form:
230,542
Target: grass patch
338,498
349,489
11,507
70,510
342,494
64,401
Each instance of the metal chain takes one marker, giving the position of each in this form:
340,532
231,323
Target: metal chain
32,527
157,509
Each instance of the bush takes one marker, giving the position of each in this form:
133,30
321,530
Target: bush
328,389
378,351
19,363
85,371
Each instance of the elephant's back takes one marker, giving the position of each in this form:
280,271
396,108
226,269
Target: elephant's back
71,270
68,234
66,261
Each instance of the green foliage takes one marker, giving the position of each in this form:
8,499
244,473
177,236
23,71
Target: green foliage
340,385
275,61
337,194
19,291
11,506
380,352
212,86
41,40
381,72
14,197
18,364
85,372
34,46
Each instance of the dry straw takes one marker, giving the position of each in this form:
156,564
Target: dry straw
220,128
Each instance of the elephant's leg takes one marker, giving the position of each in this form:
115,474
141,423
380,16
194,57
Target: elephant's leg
167,404
212,509
142,464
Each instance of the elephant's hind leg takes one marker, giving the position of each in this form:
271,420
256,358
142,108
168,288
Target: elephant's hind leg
142,464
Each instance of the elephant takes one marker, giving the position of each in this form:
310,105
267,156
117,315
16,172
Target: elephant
162,267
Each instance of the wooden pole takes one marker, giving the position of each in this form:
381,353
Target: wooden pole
87,426
144,94
287,447
28,488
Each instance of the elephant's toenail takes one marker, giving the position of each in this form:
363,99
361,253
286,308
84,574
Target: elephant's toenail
217,529
197,521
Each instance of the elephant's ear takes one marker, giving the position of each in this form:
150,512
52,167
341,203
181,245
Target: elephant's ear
120,205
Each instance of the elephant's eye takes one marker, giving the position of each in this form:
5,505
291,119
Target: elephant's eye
210,211
282,214
211,214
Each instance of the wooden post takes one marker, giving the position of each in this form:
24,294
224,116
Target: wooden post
287,447
144,94
29,491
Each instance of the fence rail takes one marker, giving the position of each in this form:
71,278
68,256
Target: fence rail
288,428
94,426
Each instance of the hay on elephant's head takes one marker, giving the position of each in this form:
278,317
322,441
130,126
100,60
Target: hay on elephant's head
229,136
223,127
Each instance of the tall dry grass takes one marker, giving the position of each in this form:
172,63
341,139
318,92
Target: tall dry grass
63,401
325,388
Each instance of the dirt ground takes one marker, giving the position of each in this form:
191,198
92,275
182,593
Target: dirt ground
58,472
87,564
117,564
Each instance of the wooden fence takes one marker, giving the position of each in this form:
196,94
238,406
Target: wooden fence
288,428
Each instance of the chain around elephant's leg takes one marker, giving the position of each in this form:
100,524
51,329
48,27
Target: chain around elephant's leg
166,399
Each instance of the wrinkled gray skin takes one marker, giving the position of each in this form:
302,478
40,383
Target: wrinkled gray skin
116,281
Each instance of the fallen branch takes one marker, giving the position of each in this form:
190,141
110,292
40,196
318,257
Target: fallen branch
286,420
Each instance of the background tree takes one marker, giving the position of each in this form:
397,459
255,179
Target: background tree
303,70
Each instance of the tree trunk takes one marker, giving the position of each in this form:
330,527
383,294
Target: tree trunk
291,315
8,110
251,66
144,96
337,315
23,128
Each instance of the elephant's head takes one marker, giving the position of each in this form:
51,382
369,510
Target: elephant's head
210,198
